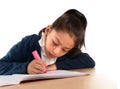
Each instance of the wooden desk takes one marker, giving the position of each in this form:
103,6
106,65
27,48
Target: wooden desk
93,81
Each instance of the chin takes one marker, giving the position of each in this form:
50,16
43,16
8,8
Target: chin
50,56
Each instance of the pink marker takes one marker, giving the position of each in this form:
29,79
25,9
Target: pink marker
37,57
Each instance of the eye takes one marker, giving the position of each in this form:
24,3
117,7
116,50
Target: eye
65,50
56,44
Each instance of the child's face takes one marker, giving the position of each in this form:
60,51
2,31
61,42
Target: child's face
57,43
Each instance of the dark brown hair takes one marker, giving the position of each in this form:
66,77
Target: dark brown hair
73,22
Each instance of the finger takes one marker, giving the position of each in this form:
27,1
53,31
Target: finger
39,66
37,71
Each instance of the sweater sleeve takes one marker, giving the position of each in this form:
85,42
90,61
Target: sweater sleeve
83,60
17,59
7,68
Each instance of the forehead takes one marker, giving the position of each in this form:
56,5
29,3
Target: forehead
64,38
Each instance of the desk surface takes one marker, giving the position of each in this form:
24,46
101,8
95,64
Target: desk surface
93,81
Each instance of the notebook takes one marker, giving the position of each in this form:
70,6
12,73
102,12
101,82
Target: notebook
18,78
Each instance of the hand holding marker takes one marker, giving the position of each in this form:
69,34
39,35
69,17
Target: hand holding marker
37,57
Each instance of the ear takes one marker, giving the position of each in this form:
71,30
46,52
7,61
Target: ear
48,29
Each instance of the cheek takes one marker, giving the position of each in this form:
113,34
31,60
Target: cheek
62,54
48,44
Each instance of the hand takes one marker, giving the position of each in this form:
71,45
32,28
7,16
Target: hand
35,67
51,67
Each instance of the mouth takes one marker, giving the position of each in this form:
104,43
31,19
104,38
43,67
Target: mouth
51,55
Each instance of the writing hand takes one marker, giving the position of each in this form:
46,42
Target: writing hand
36,67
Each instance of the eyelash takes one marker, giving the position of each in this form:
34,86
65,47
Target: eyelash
64,50
57,45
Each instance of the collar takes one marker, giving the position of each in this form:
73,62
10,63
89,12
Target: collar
43,54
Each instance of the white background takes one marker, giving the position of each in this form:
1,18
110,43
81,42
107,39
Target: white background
19,18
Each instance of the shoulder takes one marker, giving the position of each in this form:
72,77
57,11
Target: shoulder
28,40
32,37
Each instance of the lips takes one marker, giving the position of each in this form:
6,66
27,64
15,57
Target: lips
50,55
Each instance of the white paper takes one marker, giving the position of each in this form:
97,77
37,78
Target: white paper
17,78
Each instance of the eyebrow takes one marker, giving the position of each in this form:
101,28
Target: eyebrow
60,43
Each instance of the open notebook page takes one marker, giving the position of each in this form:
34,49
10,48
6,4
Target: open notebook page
17,78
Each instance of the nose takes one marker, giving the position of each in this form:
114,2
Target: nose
57,51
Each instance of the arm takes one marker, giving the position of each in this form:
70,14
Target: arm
18,58
83,60
12,68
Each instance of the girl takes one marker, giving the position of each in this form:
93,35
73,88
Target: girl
59,46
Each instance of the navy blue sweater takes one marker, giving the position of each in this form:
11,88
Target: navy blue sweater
20,55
